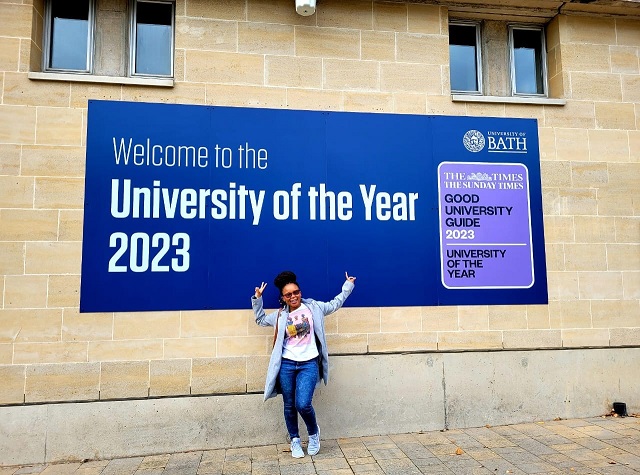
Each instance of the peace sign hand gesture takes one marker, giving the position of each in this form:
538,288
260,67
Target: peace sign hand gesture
260,289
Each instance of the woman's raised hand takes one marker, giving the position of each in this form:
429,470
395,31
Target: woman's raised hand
350,279
260,289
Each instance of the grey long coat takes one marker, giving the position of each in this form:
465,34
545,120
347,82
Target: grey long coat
319,310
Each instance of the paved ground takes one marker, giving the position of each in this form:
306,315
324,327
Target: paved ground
578,446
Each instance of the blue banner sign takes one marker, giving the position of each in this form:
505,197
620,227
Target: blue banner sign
190,207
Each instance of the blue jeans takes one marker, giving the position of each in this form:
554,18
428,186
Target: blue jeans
298,382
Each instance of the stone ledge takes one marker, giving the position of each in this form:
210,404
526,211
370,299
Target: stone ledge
90,78
60,383
540,101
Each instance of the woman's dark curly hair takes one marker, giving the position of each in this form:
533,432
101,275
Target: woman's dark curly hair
284,278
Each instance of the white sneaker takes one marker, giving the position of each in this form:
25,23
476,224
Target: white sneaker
314,443
296,448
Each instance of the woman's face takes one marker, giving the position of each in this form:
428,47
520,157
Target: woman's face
292,296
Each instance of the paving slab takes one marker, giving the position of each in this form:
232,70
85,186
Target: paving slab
126,466
26,470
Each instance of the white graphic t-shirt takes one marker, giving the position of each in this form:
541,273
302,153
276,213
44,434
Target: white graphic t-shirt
299,339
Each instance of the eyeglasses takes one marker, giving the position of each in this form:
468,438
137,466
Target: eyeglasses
288,295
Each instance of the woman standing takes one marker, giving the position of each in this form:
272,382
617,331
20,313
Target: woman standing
299,358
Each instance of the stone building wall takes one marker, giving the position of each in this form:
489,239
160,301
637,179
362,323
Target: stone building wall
350,56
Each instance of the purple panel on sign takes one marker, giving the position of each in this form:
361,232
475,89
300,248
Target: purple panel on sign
485,225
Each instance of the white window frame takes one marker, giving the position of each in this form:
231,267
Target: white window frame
133,39
48,30
512,65
479,74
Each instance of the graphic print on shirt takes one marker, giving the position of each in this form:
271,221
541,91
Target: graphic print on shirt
298,326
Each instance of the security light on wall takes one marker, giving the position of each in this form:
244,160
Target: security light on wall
306,7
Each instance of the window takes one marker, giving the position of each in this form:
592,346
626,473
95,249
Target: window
528,61
69,36
465,60
152,33
495,60
110,38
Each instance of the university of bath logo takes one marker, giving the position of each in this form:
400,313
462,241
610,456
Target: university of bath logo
473,140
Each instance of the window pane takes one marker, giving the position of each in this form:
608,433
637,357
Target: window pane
69,35
463,57
154,37
528,60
